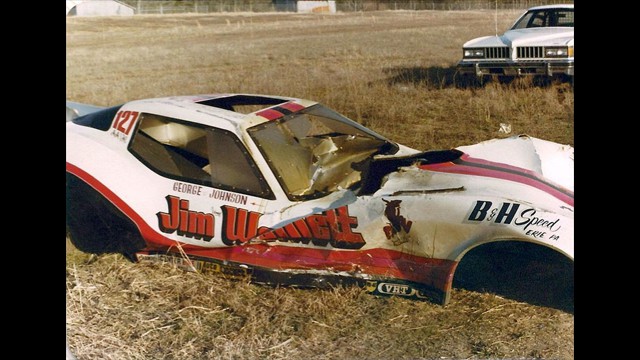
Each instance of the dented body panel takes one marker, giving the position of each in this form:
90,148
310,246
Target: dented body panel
287,191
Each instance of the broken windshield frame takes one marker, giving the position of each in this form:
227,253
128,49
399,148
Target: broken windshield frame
317,151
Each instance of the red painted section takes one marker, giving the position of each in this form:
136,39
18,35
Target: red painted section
383,262
292,106
274,113
270,114
505,172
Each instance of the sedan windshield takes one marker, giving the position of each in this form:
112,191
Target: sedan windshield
554,17
317,151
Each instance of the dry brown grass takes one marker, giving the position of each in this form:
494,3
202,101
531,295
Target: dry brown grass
119,310
393,72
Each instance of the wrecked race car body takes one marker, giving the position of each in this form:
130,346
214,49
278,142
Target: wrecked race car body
288,191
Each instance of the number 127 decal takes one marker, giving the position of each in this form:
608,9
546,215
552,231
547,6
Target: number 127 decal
124,121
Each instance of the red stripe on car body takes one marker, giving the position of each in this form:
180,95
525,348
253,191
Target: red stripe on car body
293,107
479,167
270,114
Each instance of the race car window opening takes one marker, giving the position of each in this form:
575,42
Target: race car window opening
195,154
230,166
100,119
316,151
244,104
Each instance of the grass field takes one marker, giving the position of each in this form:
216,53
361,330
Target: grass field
391,71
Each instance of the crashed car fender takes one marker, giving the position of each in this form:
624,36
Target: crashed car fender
546,158
428,225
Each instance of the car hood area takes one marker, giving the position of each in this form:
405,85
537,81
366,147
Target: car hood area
558,36
550,160
519,168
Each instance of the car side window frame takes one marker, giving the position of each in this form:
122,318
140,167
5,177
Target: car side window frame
165,155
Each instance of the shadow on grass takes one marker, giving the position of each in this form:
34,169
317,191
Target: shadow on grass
519,271
446,77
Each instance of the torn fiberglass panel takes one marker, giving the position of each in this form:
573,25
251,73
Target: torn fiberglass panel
314,155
